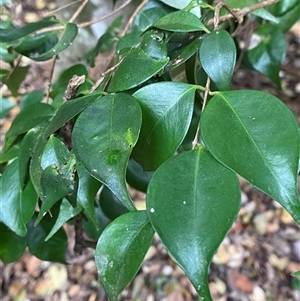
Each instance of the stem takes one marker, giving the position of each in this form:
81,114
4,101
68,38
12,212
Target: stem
243,12
135,13
102,76
206,93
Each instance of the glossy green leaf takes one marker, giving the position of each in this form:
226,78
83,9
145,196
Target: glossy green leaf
28,204
5,106
27,148
15,33
110,205
180,21
287,13
188,196
31,98
154,47
52,250
55,153
282,7
183,54
121,249
10,199
102,221
127,42
66,212
12,246
11,153
255,134
103,137
29,118
15,79
167,109
68,36
69,110
136,177
35,168
135,69
58,172
217,55
38,44
267,57
146,18
86,194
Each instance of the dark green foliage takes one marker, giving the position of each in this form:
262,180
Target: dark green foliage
155,123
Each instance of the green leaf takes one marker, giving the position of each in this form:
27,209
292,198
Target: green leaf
136,177
38,44
68,36
127,42
12,246
35,168
288,17
27,148
29,118
11,153
28,204
121,249
15,79
153,47
102,222
31,98
57,177
188,196
10,199
7,55
105,43
15,33
183,54
180,21
135,69
55,153
69,110
269,54
146,18
104,147
261,12
5,106
110,205
254,134
86,194
217,55
296,274
66,212
52,250
167,109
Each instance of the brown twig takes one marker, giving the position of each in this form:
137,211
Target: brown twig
78,11
207,86
131,19
231,11
102,76
61,8
244,11
86,24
